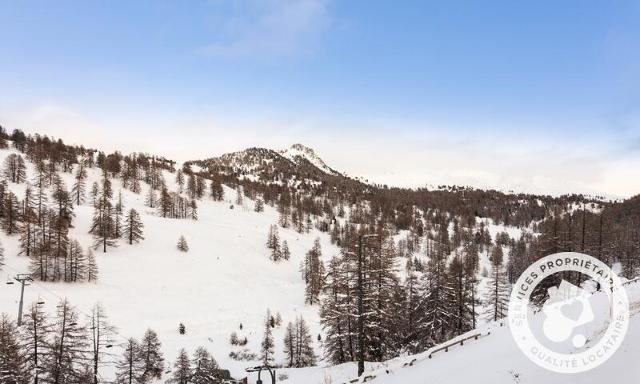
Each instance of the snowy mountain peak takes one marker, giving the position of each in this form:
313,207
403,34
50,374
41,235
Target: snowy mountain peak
301,148
296,162
299,151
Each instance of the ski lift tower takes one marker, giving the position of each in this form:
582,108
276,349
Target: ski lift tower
259,369
23,279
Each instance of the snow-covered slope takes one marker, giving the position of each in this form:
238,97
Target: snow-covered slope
493,358
225,279
298,152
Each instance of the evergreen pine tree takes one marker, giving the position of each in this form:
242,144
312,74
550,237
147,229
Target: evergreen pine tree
411,314
182,369
67,353
497,297
165,204
437,315
273,243
200,187
15,169
150,200
305,356
95,192
92,266
130,368
338,311
21,171
217,192
471,265
58,248
314,273
192,187
133,227
106,189
117,217
104,224
79,185
298,345
267,345
135,186
12,359
76,266
290,344
205,367
10,213
259,205
382,302
34,338
180,180
458,277
193,210
239,198
27,227
101,336
151,356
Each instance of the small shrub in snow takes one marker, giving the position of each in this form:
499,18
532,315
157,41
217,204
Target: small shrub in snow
233,339
182,329
259,205
182,244
286,254
278,319
242,355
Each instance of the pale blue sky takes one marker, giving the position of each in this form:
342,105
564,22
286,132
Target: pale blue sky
537,95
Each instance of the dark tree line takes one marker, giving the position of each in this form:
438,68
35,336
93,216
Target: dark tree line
173,205
69,349
201,369
298,345
369,307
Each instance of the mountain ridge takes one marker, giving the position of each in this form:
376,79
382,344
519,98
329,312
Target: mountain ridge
298,162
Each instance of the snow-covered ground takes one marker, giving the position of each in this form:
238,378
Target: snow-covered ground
492,359
225,279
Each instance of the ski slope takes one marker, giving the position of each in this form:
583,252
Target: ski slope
225,279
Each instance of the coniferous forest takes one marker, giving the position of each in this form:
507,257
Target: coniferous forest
405,277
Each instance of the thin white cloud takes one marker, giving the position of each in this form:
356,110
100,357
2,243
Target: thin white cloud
57,121
48,111
268,29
